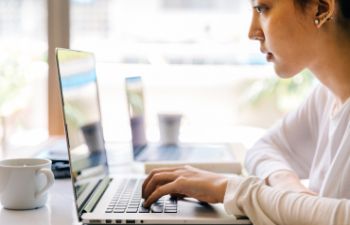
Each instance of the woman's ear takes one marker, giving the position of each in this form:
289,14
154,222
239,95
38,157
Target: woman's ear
325,11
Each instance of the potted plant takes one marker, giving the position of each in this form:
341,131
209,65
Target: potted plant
273,97
12,83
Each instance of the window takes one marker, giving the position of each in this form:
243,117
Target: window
23,71
194,57
205,32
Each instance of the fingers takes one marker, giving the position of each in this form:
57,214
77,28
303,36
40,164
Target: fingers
157,180
154,172
159,192
161,182
178,196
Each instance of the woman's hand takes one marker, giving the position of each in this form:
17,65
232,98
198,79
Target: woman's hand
184,181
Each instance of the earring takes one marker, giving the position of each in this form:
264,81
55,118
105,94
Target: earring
317,21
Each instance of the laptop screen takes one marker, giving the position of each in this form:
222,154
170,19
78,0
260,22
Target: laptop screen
86,148
135,101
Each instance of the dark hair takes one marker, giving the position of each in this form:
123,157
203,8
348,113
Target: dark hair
344,18
302,3
344,7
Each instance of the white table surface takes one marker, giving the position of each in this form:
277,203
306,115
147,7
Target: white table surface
59,209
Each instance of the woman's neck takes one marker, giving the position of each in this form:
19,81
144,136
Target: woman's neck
332,66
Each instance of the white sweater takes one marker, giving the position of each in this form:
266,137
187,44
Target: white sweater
314,142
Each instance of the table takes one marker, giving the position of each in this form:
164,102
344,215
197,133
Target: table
59,210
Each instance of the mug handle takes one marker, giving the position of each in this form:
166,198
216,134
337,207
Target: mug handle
49,181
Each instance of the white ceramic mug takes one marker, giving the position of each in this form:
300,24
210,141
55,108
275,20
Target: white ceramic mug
169,128
24,182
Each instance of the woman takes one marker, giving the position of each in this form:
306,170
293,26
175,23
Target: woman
313,142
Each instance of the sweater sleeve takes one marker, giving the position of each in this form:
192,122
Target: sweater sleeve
291,144
266,205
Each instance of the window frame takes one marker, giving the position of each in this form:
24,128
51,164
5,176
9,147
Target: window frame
58,36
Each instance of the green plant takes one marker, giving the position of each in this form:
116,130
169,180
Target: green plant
135,99
74,115
285,93
12,82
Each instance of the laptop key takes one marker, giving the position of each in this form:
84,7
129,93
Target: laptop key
135,202
118,210
131,210
143,210
170,210
156,208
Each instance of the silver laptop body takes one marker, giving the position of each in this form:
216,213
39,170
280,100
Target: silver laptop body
100,197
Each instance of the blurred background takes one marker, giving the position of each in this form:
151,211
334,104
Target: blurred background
194,57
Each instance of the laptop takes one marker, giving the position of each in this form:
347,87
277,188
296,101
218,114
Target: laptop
102,197
145,151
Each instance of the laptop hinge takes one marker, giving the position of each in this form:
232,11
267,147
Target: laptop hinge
90,205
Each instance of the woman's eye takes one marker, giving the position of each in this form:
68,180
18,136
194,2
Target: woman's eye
260,9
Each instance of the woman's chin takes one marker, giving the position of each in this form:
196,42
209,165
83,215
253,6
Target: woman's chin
284,73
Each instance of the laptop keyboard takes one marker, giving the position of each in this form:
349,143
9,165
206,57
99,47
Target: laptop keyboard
127,199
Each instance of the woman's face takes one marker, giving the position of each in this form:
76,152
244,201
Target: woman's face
286,34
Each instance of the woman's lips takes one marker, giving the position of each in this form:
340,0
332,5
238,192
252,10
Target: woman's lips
269,55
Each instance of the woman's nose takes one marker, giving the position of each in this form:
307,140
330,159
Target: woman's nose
256,35
255,31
